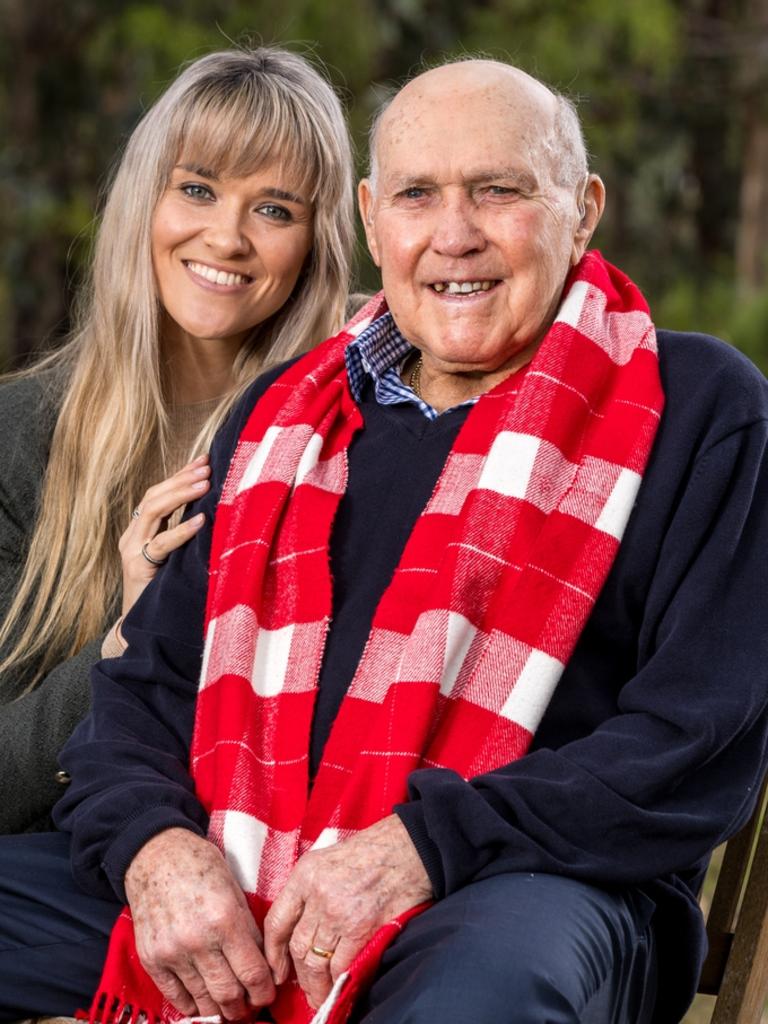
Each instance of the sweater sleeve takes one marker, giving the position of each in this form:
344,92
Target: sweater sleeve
129,758
676,768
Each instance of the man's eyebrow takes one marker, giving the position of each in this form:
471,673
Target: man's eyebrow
410,181
525,179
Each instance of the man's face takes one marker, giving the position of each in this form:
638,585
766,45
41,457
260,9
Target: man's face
473,238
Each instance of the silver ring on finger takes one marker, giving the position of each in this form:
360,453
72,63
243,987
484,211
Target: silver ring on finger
149,558
136,512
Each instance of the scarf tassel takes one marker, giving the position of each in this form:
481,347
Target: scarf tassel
110,1009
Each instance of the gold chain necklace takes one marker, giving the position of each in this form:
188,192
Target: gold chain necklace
414,381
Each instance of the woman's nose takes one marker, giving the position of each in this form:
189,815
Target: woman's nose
225,234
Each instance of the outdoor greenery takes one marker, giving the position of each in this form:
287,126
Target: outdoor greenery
673,96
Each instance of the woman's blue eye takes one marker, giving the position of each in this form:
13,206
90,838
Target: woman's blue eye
275,212
196,191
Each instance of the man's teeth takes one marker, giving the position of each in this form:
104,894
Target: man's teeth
462,287
216,276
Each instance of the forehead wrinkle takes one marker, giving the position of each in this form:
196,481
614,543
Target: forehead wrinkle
525,178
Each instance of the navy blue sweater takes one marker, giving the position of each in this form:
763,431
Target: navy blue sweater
652,749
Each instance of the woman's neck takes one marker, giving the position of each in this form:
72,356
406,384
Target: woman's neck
197,369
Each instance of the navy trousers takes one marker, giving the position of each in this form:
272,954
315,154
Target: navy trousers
521,949
511,949
53,937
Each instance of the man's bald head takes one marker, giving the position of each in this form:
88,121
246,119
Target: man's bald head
560,135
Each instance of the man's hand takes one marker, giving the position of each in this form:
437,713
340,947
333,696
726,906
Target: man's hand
337,898
195,935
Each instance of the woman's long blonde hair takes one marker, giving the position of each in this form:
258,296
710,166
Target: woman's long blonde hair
232,112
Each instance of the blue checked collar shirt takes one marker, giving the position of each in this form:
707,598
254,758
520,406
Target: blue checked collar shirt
380,352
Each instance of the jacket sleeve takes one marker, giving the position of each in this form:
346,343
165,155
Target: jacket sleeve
676,767
33,729
33,725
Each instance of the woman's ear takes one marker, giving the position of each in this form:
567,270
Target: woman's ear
591,206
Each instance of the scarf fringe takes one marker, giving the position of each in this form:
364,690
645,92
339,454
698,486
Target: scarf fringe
111,1009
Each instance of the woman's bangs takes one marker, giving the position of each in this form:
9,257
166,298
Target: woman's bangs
235,139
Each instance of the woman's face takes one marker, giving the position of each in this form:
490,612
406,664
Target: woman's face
227,252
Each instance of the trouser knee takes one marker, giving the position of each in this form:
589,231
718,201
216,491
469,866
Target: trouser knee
515,949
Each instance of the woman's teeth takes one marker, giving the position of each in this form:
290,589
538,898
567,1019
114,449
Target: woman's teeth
217,276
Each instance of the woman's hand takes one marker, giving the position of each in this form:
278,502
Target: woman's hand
146,543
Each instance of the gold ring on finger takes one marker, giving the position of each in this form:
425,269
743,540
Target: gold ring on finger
154,561
326,954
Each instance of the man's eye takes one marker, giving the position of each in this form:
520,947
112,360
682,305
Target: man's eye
413,193
195,190
275,212
503,190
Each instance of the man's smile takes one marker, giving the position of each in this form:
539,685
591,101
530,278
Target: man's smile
462,287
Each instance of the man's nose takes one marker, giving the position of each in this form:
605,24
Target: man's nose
457,230
225,234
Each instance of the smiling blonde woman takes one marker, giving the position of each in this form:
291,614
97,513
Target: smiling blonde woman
223,249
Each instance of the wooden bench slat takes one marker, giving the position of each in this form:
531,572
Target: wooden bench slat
745,984
736,969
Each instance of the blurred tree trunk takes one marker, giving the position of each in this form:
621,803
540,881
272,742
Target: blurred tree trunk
43,47
752,231
31,315
709,123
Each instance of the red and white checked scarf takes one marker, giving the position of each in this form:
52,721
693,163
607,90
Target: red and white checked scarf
469,640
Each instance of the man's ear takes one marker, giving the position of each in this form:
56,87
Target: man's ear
591,206
366,201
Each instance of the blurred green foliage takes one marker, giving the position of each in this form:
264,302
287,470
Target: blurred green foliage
671,94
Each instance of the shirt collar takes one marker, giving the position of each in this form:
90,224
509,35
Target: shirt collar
379,353
379,348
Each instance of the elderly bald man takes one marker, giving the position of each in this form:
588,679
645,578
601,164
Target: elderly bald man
483,678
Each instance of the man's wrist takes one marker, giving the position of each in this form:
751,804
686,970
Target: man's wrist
158,846
412,819
134,836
